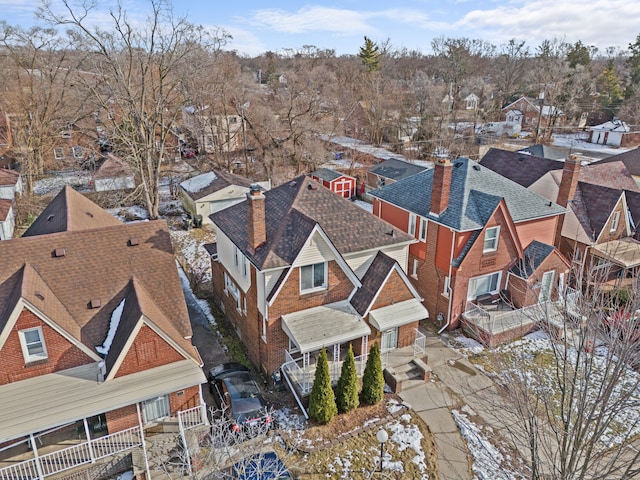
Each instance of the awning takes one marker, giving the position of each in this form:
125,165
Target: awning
323,326
46,401
398,314
625,252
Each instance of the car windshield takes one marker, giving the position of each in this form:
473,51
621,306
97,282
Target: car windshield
247,409
241,386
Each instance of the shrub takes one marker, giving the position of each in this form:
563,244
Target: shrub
322,403
347,391
373,380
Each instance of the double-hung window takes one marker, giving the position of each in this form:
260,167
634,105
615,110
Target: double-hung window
313,277
423,229
412,224
491,239
32,342
615,219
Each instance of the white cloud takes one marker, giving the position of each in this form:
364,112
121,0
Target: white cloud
310,19
602,23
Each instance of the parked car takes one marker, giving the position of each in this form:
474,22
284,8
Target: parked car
188,152
238,395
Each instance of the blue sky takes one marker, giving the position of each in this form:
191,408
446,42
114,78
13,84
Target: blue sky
261,25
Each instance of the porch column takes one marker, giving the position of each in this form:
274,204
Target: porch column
364,345
203,406
305,369
144,446
336,359
86,431
35,455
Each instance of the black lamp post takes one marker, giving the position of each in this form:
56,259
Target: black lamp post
382,437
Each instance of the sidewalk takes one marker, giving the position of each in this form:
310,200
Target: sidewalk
453,381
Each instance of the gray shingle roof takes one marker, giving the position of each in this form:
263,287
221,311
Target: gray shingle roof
396,169
474,195
372,281
535,253
217,180
592,205
292,211
631,160
327,174
522,168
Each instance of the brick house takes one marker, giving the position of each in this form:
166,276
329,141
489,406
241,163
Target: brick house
472,227
532,114
94,340
299,268
340,183
603,207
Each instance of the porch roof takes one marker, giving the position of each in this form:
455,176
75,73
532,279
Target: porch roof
398,314
47,401
624,252
325,325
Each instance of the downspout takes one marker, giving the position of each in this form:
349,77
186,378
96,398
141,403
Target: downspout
449,288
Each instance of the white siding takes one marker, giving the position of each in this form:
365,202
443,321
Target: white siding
400,254
7,192
225,256
316,250
6,227
360,261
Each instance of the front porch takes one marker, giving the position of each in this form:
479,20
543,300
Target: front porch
82,443
301,371
498,323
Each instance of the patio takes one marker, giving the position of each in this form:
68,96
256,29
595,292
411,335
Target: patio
498,323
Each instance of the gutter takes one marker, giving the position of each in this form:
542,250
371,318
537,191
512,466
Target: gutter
449,288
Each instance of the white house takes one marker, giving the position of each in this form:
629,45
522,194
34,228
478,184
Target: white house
613,132
10,183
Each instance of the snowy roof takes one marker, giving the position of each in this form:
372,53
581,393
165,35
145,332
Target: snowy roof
612,126
199,182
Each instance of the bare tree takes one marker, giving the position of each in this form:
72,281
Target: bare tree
139,89
573,407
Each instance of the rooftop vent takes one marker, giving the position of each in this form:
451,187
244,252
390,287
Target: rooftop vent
59,252
476,167
39,296
50,217
457,164
95,303
133,241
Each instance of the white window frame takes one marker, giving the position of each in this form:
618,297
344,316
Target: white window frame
28,356
423,229
314,288
293,348
494,241
78,152
615,220
58,153
473,293
245,268
411,228
236,258
232,289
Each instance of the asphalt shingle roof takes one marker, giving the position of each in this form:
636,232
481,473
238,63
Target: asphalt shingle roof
218,181
327,174
474,195
592,205
631,160
292,210
535,253
396,169
372,281
522,168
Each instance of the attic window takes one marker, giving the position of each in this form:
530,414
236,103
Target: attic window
95,303
59,252
133,241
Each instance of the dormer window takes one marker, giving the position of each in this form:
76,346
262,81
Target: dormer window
32,343
615,219
313,277
491,239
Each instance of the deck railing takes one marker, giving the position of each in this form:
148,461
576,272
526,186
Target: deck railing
192,417
23,471
419,344
303,376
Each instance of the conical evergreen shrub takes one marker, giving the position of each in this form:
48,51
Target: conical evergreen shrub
373,380
347,391
322,404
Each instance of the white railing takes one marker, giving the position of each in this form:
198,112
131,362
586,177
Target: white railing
62,460
23,471
419,344
116,442
303,376
192,417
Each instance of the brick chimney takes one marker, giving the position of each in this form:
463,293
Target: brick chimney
441,187
569,182
256,218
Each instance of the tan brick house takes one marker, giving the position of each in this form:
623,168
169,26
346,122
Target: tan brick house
94,340
299,268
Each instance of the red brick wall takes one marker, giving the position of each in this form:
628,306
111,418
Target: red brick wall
62,354
189,398
393,291
148,350
122,418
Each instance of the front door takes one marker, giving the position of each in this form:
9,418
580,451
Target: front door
389,340
156,408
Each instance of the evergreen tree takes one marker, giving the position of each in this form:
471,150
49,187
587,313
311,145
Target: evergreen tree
370,55
373,380
347,392
322,404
